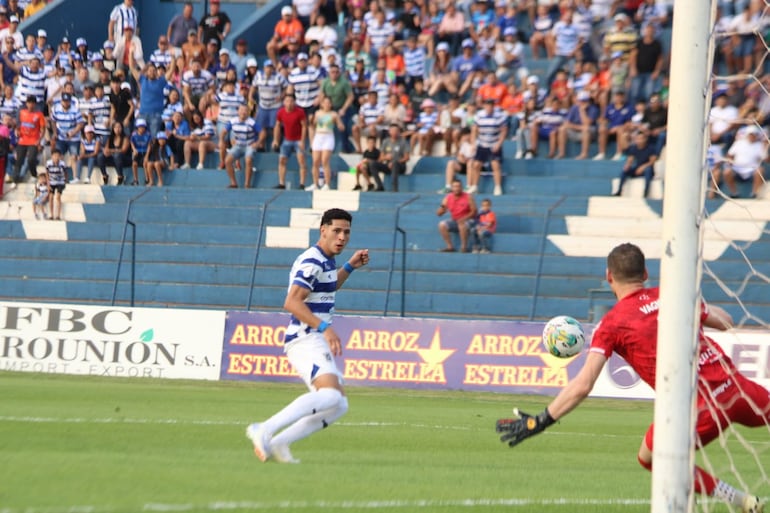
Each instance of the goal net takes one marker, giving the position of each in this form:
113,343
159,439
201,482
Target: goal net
719,110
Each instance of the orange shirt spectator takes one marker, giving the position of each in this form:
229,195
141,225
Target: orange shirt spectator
287,28
513,103
492,91
31,126
394,62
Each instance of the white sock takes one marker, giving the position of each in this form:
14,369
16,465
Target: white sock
729,494
306,426
302,406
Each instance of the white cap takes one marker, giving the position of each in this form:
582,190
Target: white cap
583,95
251,62
88,128
141,122
442,46
286,10
125,85
532,79
42,33
301,56
224,51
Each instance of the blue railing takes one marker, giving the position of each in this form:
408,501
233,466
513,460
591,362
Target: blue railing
126,223
543,238
259,246
396,230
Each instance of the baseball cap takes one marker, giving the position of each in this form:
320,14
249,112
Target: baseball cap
267,63
620,17
286,10
89,129
42,33
301,56
533,79
224,51
13,19
442,47
161,135
583,96
125,85
108,44
66,97
141,122
509,31
251,62
191,32
65,39
427,102
96,57
241,41
468,43
81,41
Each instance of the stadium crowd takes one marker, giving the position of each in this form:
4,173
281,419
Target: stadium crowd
461,74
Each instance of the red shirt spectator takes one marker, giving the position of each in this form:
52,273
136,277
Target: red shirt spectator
291,121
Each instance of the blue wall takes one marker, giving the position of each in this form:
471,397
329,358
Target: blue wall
89,19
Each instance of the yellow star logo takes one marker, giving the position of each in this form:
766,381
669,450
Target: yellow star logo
434,355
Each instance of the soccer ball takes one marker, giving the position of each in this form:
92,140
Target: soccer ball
563,336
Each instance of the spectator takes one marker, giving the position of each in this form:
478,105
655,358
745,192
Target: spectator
31,137
380,33
467,68
202,140
381,83
491,89
229,102
29,50
307,10
656,120
321,33
42,195
370,116
360,81
337,87
355,54
651,14
621,38
427,127
158,159
243,132
163,55
293,121
522,137
451,29
116,150
306,86
10,104
268,86
140,142
615,123
723,120
462,210
429,24
241,56
744,27
33,8
81,50
646,63
441,76
57,181
414,61
181,25
90,149
745,159
193,50
151,99
215,25
580,125
122,103
484,228
173,104
287,29
541,34
567,44
12,32
41,40
178,133
128,47
640,162
395,66
395,154
407,22
490,128
122,16
619,74
99,113
96,69
222,67
370,167
67,124
545,125
109,60
354,28
394,112
323,143
211,53
509,57
459,165
196,85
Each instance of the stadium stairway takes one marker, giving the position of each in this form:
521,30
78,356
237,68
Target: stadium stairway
197,240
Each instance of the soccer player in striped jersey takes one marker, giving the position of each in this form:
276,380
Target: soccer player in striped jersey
311,343
488,133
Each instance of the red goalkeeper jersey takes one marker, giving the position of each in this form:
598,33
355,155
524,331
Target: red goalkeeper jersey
630,329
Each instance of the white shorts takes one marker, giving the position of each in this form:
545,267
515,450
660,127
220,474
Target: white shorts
311,357
323,142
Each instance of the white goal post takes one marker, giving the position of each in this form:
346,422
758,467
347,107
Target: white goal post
692,51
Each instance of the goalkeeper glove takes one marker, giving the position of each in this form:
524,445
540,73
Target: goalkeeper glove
517,429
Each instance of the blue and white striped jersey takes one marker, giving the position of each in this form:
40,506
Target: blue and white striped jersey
206,130
24,54
243,133
10,106
66,120
56,173
307,85
161,57
100,110
379,34
169,110
490,126
371,113
269,89
415,61
198,85
31,83
123,16
315,271
228,105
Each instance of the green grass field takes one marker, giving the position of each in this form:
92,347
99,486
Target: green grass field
98,445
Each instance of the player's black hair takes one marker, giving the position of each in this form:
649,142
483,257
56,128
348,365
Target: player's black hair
626,263
335,213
